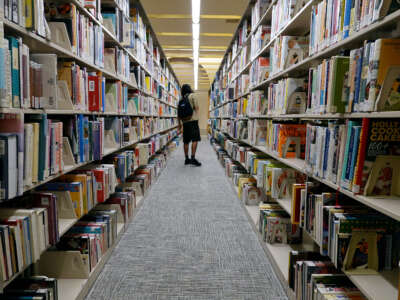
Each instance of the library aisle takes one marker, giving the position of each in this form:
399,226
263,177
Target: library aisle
191,239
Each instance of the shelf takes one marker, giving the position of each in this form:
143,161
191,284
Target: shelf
389,207
65,224
380,286
286,204
106,153
327,116
69,289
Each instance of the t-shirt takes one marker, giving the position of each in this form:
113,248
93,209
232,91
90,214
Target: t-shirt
195,106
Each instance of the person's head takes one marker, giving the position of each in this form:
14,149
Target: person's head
186,89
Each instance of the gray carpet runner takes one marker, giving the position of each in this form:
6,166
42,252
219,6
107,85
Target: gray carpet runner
191,239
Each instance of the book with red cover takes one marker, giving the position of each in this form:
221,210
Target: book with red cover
48,201
94,91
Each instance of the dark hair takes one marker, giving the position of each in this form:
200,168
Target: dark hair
186,89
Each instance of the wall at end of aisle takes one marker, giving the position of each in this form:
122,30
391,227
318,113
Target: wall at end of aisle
203,117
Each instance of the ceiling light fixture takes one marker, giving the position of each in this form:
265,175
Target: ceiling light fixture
196,11
196,34
196,31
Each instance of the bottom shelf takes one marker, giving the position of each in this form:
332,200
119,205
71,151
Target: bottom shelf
78,288
380,286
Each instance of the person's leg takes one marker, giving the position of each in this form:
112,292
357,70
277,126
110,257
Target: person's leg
186,150
186,141
195,140
194,148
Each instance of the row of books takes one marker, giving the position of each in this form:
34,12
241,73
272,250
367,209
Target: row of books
257,11
364,81
313,277
342,229
287,51
259,71
360,156
32,287
86,37
34,84
39,147
336,20
282,13
31,224
239,63
33,221
288,96
28,15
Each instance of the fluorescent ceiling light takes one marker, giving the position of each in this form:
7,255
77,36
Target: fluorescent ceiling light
195,11
196,44
196,31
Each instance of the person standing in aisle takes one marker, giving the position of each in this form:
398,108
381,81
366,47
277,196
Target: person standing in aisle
188,116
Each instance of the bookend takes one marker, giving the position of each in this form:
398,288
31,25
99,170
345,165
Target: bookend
64,264
389,95
135,185
68,157
292,141
384,177
110,103
132,108
64,101
108,24
109,63
116,207
65,207
110,142
133,135
59,35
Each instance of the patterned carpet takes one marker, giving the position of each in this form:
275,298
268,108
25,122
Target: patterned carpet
191,239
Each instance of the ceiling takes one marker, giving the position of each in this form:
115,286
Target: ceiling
172,22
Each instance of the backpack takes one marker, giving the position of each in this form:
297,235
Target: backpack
185,110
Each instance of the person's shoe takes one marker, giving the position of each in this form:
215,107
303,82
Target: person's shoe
195,162
188,161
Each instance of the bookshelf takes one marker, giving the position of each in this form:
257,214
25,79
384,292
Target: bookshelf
152,125
225,113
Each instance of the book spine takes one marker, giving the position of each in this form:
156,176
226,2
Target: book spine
357,181
373,71
346,19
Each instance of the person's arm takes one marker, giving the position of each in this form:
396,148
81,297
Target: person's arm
180,125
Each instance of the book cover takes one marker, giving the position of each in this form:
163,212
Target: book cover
380,138
385,56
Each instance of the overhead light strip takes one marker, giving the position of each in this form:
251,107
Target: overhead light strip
196,43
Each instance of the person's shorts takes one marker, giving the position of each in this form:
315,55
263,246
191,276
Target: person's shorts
191,132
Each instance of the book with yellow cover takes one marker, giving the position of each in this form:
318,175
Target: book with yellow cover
386,56
82,178
242,182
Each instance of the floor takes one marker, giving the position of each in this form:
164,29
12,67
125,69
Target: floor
191,239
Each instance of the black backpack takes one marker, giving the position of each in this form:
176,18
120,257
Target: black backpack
185,110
